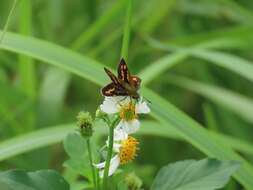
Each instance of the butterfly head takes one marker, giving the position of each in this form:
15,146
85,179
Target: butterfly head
136,82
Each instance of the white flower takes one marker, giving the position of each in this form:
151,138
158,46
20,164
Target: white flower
125,148
128,110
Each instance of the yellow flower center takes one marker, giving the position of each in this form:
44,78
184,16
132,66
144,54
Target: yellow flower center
127,112
128,150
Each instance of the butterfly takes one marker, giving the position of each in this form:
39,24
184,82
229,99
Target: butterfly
123,85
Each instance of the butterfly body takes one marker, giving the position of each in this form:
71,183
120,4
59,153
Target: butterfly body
123,85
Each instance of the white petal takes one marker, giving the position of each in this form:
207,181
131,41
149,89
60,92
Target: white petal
133,126
119,134
124,100
142,107
120,126
116,147
129,127
114,164
110,105
115,161
100,165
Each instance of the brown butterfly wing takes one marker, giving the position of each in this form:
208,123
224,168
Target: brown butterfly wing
112,77
123,72
113,90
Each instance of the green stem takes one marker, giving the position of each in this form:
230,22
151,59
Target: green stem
109,153
8,20
98,179
108,159
127,29
91,163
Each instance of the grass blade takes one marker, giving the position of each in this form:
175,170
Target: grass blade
236,64
53,54
239,104
55,134
233,63
33,140
159,66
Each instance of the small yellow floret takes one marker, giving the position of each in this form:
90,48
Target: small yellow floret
128,150
127,112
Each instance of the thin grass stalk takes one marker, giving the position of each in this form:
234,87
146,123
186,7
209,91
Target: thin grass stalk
8,20
96,28
127,30
26,67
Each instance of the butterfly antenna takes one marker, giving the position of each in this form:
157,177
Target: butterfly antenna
149,102
106,70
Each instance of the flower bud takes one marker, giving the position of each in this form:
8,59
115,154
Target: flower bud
85,123
133,182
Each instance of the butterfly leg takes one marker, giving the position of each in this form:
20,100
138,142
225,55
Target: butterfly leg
121,100
147,100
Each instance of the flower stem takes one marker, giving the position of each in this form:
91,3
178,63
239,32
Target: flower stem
98,180
109,153
91,163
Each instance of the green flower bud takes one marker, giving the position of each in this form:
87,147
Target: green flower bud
133,182
85,123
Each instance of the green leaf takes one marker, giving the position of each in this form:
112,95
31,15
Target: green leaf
76,147
207,174
38,180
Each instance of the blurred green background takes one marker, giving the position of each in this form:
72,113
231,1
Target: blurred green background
35,96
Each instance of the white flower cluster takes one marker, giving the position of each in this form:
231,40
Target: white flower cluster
124,146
